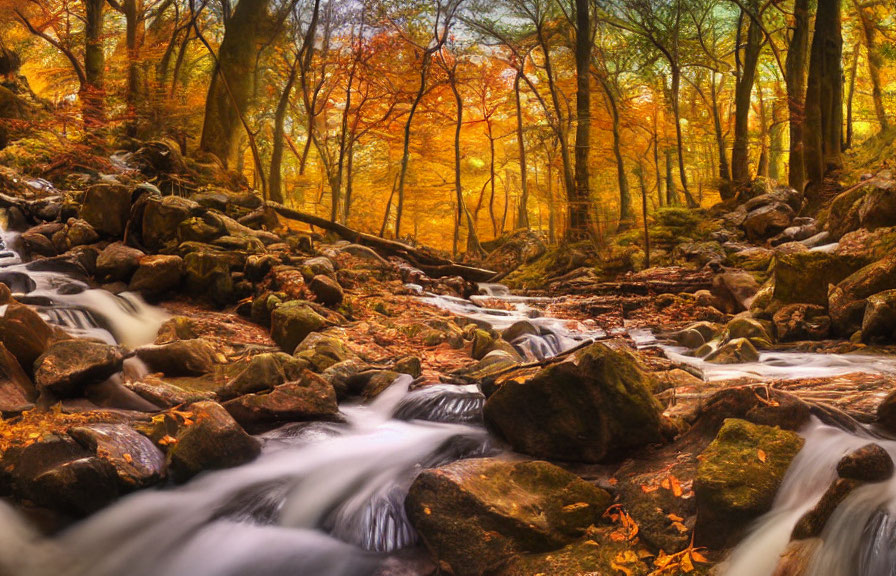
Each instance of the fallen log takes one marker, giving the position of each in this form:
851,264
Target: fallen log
432,265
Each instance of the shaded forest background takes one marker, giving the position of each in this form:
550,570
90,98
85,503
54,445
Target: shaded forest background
413,119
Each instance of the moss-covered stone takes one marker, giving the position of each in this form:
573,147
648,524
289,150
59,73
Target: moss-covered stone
804,277
292,322
738,477
308,398
474,515
737,351
596,554
322,351
847,298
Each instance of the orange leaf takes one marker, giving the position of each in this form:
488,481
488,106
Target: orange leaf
761,454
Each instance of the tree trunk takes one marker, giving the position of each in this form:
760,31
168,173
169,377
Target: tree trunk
491,172
875,60
406,150
776,140
740,153
847,139
795,81
523,212
93,92
233,81
671,192
824,98
626,214
275,186
643,185
135,34
462,213
676,113
724,168
762,163
579,202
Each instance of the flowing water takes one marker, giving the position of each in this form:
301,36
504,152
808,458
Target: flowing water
328,499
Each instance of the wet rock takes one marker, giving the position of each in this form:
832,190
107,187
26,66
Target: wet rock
847,298
207,274
482,344
689,338
372,383
263,306
177,328
317,266
886,413
117,262
259,265
802,322
69,365
804,277
308,398
38,245
796,557
214,440
878,208
76,233
24,333
179,358
409,365
137,461
596,410
264,372
754,258
322,351
292,322
870,463
744,326
16,389
813,522
879,321
107,207
767,221
161,219
595,555
157,274
735,290
474,515
345,377
737,351
738,477
166,395
326,290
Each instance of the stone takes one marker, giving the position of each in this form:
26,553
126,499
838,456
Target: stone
596,410
870,463
812,523
745,326
308,398
161,219
482,344
597,554
879,321
207,274
737,479
292,322
68,366
263,373
474,515
317,266
76,233
38,245
767,221
326,290
17,392
411,365
137,461
117,262
795,322
737,351
804,277
24,333
157,274
107,207
322,351
213,441
878,208
517,329
735,290
848,298
179,358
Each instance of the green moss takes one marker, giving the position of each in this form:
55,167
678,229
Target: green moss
803,277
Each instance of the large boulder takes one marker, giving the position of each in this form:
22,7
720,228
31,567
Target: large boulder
736,351
735,290
292,322
157,274
322,350
737,479
207,274
767,221
326,290
263,373
804,277
68,366
308,398
117,262
594,410
848,298
213,440
16,390
161,219
179,358
878,208
475,515
802,322
879,321
137,461
107,207
24,333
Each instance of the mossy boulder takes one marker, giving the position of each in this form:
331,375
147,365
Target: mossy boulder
795,322
326,290
597,409
179,358
804,277
879,321
117,262
474,515
207,274
321,351
737,351
107,208
157,274
745,326
847,299
292,322
263,372
309,397
737,479
161,219
24,333
596,554
68,366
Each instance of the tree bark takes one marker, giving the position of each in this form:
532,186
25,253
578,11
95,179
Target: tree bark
93,92
724,168
626,214
853,70
462,213
523,211
795,81
740,153
579,203
233,81
824,98
875,60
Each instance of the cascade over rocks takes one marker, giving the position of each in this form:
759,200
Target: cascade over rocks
475,515
596,409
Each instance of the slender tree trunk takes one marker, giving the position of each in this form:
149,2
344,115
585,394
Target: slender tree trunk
847,139
579,203
724,168
523,211
776,140
349,179
406,150
552,235
233,81
275,186
740,153
462,213
679,138
875,60
824,98
795,81
491,172
626,214
762,163
643,184
660,191
671,192
93,92
135,33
